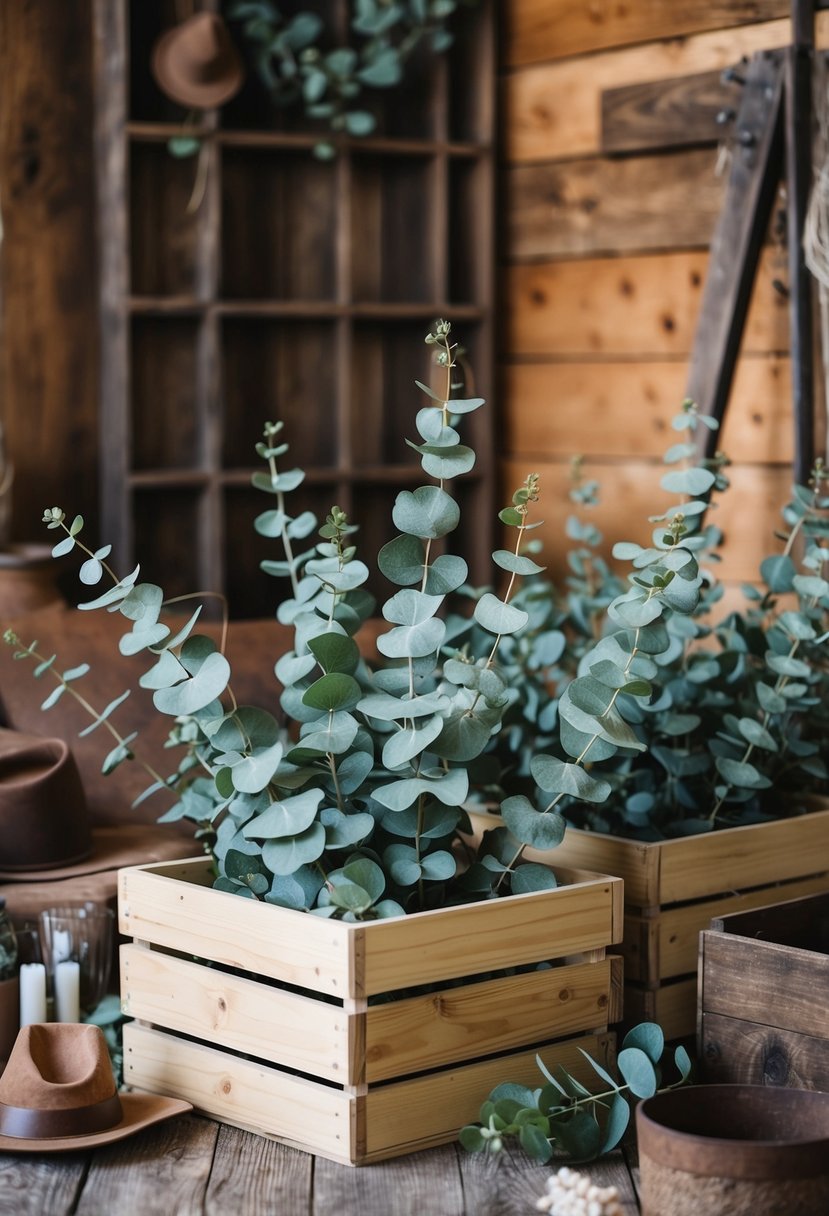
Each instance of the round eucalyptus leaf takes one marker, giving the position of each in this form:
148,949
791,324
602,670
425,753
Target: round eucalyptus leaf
402,863
412,641
387,708
579,1134
531,876
557,777
346,831
445,574
778,573
692,481
741,774
353,770
139,639
617,1123
270,523
498,617
287,854
209,682
402,559
335,652
409,607
291,668
534,1142
536,828
515,563
165,672
335,735
367,874
427,512
756,734
253,773
351,897
638,1071
336,690
288,817
439,866
444,463
648,1037
411,740
143,603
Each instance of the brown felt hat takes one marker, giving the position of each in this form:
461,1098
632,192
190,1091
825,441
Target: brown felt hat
44,819
196,63
58,1093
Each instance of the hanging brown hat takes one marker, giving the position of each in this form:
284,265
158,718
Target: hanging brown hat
196,63
58,1093
44,819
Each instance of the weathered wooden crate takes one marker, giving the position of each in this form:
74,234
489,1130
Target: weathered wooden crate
764,996
674,888
321,1033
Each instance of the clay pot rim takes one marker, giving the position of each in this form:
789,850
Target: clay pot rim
717,1156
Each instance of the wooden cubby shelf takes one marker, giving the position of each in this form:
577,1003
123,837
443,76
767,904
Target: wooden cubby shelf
282,286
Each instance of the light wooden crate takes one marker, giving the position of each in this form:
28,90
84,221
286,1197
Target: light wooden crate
673,889
307,1029
763,995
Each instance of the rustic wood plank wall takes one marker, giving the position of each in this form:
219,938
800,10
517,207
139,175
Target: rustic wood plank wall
611,196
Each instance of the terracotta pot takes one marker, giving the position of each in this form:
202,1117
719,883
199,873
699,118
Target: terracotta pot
745,1150
27,579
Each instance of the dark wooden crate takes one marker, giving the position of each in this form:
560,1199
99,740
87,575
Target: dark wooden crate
763,996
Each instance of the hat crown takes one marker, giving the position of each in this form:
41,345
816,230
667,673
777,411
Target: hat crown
202,47
57,1066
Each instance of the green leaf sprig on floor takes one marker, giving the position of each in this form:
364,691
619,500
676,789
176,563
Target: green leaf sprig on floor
352,804
564,1118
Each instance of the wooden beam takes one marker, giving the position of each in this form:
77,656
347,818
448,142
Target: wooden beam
553,110
608,205
553,29
672,113
629,307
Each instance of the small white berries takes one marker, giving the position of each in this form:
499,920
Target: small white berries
570,1193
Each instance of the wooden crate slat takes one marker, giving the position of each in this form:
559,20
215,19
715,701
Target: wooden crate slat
211,924
736,1051
658,114
241,1092
236,1012
673,934
561,408
479,1019
499,933
405,1113
553,29
600,205
774,985
554,109
629,307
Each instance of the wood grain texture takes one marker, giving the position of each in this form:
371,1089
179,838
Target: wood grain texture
431,1175
48,340
554,109
178,1154
616,409
629,307
660,114
734,1050
252,1174
672,1005
773,985
553,29
594,206
630,493
32,1186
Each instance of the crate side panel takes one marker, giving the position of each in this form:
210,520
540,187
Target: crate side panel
408,1115
500,933
673,1006
679,927
743,1052
480,1019
766,983
230,1011
633,861
285,945
739,858
308,1115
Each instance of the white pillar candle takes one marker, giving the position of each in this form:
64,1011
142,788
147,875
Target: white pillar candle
67,992
61,946
32,993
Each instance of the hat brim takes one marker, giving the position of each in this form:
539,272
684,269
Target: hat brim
197,96
113,848
139,1111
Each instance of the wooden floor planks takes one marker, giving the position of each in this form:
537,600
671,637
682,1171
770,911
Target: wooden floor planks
194,1167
